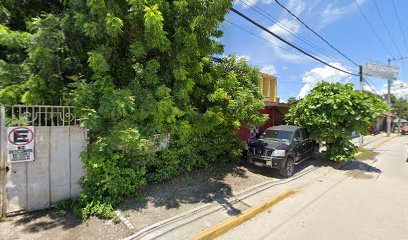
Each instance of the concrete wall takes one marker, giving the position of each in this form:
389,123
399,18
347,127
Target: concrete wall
53,175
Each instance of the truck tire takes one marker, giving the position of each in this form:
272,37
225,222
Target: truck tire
289,168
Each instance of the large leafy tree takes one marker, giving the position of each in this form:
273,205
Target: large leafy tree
332,111
399,105
136,71
292,100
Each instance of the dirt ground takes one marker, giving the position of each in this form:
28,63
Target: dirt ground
158,202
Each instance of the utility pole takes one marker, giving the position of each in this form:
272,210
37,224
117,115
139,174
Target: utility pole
389,104
389,95
361,142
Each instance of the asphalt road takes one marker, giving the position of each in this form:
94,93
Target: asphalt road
365,201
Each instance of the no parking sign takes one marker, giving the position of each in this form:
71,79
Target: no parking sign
20,144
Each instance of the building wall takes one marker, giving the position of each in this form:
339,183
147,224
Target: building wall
275,117
268,87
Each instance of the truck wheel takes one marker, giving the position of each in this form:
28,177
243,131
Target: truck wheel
289,168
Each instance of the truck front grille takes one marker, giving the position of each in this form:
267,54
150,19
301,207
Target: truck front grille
260,152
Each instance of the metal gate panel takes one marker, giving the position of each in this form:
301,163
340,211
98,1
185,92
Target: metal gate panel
38,173
78,138
59,164
2,161
16,187
55,173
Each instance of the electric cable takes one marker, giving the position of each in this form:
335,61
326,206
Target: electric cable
282,26
399,23
372,28
386,28
317,34
276,45
288,43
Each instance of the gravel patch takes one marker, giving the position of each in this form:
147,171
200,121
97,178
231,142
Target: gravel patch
164,200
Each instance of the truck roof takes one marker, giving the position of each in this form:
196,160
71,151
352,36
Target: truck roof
290,128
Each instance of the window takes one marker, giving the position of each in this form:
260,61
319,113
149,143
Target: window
297,135
277,135
303,134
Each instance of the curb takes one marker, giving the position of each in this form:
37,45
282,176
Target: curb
387,140
340,165
124,220
223,227
237,197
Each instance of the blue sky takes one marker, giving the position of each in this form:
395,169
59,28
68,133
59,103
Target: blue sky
338,21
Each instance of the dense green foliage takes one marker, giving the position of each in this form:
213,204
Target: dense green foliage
292,100
136,71
399,105
331,112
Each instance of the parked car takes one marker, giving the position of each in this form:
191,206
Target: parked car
373,130
282,147
404,130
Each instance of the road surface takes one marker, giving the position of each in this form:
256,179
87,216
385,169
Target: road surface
366,201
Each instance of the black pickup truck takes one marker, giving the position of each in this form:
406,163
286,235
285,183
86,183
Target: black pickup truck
282,147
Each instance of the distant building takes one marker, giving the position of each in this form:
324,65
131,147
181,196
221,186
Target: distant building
273,108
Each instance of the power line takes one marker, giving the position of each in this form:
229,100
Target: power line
385,26
282,26
375,91
401,29
399,23
288,43
255,35
313,31
372,29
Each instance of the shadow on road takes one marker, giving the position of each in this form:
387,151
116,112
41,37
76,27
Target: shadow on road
362,166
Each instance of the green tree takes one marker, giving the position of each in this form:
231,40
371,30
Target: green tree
399,106
135,70
332,111
292,100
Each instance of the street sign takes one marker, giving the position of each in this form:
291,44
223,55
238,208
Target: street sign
20,144
381,71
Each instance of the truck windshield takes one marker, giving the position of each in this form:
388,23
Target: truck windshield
277,135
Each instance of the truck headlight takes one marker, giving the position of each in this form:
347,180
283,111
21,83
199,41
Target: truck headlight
279,153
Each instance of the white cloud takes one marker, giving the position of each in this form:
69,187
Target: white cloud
269,69
398,88
294,27
368,88
296,6
250,3
284,67
246,57
316,75
332,12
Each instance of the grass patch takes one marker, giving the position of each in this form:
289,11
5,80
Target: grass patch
364,154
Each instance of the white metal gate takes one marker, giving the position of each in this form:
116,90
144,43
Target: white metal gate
54,174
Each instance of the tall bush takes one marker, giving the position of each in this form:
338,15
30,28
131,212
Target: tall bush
332,111
135,70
